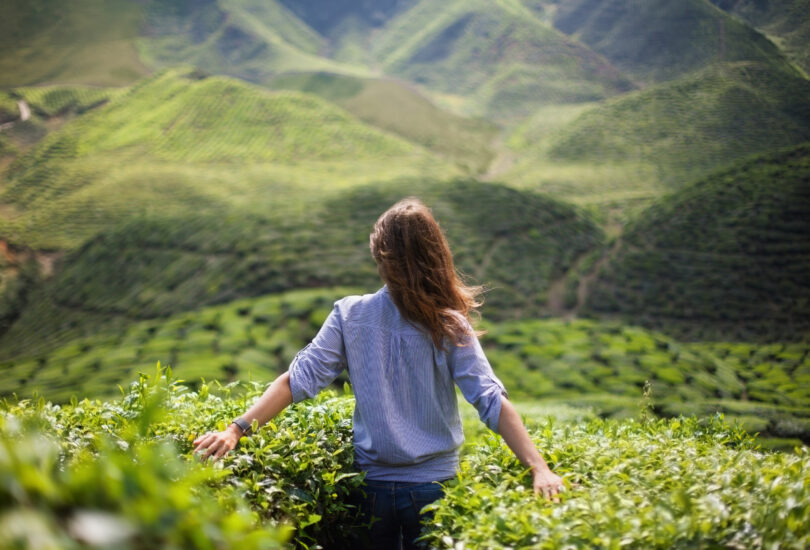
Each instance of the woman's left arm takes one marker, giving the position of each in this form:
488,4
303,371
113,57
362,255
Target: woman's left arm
514,433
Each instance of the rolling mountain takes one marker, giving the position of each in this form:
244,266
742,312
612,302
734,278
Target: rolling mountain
499,55
184,142
151,266
689,126
658,40
395,106
785,22
80,42
727,257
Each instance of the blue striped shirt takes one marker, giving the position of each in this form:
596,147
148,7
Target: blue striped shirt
406,421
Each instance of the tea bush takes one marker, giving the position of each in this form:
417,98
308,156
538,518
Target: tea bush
295,471
678,483
121,474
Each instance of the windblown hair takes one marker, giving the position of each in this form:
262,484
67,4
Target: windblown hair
415,261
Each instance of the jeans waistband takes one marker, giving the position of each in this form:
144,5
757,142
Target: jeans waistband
376,484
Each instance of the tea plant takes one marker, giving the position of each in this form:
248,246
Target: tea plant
296,471
678,483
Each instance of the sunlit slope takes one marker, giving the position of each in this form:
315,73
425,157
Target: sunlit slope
398,108
662,39
498,56
786,22
515,242
683,129
727,257
250,39
52,101
180,142
347,26
82,41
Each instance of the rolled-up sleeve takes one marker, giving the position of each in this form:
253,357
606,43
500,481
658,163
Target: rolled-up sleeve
473,375
320,362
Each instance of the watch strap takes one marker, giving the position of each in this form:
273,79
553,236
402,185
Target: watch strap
243,424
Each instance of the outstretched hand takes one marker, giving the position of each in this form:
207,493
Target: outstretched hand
547,483
216,444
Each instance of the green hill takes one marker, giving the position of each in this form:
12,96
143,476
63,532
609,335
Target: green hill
249,39
150,267
685,128
396,107
497,55
783,21
661,39
181,142
727,257
78,42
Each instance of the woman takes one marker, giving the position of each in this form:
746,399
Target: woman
404,347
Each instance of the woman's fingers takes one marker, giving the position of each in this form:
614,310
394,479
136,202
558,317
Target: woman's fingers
212,445
551,492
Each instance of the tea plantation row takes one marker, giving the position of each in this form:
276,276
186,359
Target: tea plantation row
120,474
599,365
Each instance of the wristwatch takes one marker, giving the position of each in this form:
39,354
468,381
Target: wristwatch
243,424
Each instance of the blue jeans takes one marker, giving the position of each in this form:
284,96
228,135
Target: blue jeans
393,508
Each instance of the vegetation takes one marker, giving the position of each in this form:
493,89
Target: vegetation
598,365
723,258
660,40
62,467
507,61
151,267
783,21
50,101
664,484
181,143
607,366
248,39
685,128
84,42
396,107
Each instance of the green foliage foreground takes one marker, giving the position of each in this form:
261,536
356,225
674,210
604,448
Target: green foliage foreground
121,474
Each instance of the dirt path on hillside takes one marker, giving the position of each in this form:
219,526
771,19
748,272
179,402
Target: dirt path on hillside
556,290
502,161
586,281
25,114
15,256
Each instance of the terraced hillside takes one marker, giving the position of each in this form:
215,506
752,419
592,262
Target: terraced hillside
81,42
397,107
582,364
249,39
683,129
726,257
660,39
181,142
785,22
606,365
503,58
151,267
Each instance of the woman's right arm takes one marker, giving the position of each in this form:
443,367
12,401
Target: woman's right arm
274,400
514,433
473,374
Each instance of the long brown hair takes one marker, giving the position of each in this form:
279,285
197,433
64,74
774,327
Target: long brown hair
415,261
